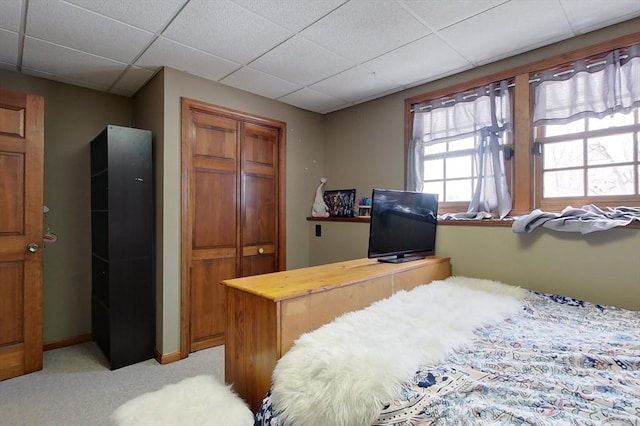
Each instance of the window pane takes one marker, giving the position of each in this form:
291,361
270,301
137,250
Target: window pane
435,148
466,143
566,183
616,120
563,154
434,169
565,129
434,188
611,181
610,149
459,167
459,190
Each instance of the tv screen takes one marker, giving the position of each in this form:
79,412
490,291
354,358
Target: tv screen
403,225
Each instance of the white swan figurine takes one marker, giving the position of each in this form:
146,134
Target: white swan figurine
320,208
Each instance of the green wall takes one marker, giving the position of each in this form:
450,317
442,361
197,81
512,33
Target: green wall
360,147
365,148
601,267
73,116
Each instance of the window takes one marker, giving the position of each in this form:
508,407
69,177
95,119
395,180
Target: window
589,160
586,118
457,150
450,170
573,137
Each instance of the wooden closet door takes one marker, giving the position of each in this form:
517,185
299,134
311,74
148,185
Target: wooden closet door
21,237
213,203
233,212
259,174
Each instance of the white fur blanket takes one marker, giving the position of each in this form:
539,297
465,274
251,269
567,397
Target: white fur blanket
344,372
196,401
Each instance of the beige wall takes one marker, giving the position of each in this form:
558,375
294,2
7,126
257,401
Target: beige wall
365,149
304,167
601,267
360,147
73,116
148,113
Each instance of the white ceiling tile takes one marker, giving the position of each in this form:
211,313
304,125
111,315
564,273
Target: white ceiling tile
72,65
301,61
165,52
293,15
10,17
132,80
64,79
8,47
364,29
71,26
355,84
421,60
150,15
259,83
502,31
225,30
344,51
437,17
589,15
312,100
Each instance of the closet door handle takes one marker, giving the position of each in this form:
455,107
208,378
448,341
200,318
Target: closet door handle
32,247
260,250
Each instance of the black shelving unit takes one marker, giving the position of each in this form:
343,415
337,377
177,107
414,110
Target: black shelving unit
122,226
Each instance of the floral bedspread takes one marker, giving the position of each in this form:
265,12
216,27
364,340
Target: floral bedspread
559,361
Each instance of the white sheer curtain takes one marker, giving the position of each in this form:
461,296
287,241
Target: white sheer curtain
589,88
485,113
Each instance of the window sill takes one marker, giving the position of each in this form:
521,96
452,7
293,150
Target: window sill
507,222
357,219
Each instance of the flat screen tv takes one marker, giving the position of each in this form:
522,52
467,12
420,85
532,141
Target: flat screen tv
403,225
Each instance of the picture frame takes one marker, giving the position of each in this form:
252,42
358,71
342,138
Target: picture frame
341,202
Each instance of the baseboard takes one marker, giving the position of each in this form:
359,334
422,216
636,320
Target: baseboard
83,338
167,358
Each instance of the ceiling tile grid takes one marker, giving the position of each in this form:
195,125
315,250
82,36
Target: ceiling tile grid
319,55
68,25
225,29
301,61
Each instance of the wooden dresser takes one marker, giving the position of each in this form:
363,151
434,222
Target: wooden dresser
267,313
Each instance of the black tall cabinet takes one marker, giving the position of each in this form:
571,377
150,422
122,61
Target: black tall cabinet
122,216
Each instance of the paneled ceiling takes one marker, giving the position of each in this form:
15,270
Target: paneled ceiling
319,55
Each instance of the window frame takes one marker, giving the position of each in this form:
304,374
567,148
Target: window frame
521,174
558,203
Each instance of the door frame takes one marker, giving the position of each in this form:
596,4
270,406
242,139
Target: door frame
188,105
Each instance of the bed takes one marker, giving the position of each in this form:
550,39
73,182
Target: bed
463,351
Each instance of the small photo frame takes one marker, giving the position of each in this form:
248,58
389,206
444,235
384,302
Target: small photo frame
341,202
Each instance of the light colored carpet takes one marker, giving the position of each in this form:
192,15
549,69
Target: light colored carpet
76,387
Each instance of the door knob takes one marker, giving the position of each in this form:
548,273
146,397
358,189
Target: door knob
33,247
260,250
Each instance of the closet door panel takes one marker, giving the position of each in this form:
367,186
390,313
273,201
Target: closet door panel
208,301
259,232
215,221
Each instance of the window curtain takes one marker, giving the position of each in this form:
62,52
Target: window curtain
484,113
589,88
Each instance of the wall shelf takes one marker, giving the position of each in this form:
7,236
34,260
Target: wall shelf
360,219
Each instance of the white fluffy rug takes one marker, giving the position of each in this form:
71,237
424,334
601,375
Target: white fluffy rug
197,401
345,371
